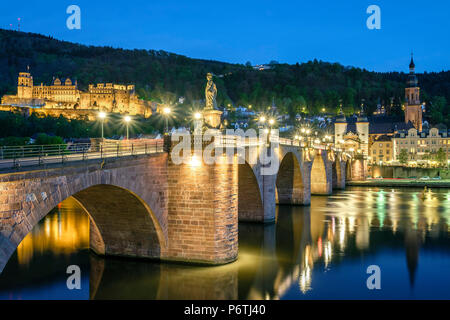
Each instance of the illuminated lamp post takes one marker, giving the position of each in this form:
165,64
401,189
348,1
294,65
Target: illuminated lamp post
167,112
127,120
102,116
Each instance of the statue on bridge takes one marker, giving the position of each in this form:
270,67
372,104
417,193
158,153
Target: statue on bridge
210,93
211,115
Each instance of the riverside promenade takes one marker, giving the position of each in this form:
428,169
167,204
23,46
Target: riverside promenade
412,183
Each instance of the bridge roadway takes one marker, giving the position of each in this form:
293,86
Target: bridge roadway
142,204
26,156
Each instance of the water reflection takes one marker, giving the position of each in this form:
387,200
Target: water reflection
321,251
37,270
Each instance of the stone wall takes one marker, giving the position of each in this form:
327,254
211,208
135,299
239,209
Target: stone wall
407,172
203,212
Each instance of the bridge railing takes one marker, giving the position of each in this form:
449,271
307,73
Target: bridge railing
35,155
235,140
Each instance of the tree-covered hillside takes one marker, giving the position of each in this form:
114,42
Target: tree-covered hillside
163,76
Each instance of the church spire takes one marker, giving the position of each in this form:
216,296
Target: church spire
412,65
341,116
362,115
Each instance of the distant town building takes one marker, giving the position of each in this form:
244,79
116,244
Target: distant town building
381,110
421,146
381,127
381,150
64,97
262,67
353,136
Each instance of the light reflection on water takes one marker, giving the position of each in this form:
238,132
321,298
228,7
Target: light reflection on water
316,252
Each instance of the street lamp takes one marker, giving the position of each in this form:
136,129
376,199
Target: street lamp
127,120
271,123
308,139
102,116
166,112
197,123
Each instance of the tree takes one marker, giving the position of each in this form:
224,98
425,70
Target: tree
403,156
441,156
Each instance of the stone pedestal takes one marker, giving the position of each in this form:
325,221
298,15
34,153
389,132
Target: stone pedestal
212,118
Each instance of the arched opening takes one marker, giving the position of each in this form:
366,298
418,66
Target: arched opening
320,183
116,220
337,175
289,184
348,171
250,207
121,222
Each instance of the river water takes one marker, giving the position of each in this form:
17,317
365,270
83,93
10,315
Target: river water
317,252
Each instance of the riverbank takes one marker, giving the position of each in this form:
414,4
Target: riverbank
412,183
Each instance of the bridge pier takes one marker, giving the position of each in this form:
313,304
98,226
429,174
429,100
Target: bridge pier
321,174
203,211
339,174
358,169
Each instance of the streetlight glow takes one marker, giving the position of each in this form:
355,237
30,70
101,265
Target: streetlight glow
102,116
127,120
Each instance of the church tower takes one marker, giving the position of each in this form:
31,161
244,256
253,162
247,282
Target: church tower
25,86
413,107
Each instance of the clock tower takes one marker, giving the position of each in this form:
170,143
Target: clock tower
413,107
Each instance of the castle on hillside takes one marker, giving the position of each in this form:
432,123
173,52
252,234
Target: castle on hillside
65,98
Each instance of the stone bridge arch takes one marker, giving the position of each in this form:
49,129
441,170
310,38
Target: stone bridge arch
292,182
287,184
250,204
128,214
338,172
348,170
321,174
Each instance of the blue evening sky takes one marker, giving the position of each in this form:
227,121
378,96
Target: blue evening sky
256,31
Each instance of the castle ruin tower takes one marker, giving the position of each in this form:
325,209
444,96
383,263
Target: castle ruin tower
25,86
413,107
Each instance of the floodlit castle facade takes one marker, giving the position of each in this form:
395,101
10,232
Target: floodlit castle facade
65,97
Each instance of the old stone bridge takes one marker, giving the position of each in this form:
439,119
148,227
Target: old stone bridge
144,205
